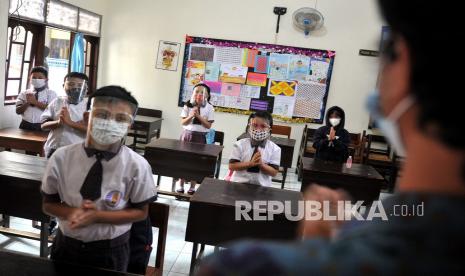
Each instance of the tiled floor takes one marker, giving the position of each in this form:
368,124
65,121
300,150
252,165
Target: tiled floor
178,252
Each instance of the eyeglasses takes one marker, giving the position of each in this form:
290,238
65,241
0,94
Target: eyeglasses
107,115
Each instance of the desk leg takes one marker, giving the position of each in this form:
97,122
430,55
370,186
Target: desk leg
44,239
5,222
193,258
284,178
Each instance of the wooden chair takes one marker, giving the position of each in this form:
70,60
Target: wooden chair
142,137
159,213
306,148
284,131
281,130
378,153
219,139
355,146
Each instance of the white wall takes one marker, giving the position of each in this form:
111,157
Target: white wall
131,43
132,29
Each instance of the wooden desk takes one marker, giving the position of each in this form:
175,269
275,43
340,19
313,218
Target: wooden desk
21,265
178,159
15,138
361,181
211,218
20,180
287,152
145,127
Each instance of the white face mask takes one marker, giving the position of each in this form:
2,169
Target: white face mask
38,83
107,132
334,121
388,124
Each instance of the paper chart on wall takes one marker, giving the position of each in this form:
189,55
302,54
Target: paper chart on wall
284,106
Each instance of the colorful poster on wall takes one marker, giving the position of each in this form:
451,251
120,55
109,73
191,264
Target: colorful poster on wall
319,70
282,88
168,54
291,82
261,64
231,89
256,79
201,52
233,73
299,67
212,71
278,65
195,72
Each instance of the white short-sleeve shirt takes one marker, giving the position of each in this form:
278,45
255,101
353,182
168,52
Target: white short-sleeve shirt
127,178
207,112
32,113
63,135
243,151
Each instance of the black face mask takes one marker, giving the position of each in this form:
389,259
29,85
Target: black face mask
74,95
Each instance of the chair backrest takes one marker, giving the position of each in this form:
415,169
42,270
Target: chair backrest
281,130
219,137
303,140
355,146
149,112
159,213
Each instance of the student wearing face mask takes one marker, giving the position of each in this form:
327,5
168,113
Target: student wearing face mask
99,187
64,116
419,118
332,140
31,103
197,117
256,159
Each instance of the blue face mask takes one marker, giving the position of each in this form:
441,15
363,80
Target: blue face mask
388,124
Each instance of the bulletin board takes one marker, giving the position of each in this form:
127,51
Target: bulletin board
292,83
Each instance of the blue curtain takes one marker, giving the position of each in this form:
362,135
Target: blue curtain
77,56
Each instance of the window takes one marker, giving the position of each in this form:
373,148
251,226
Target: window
41,32
57,43
21,55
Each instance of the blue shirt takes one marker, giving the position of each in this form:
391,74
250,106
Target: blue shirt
432,244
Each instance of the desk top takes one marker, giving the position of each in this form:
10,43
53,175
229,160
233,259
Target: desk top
146,119
21,264
177,145
21,134
280,141
357,170
225,193
23,166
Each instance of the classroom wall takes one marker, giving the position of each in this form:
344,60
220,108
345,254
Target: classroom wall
129,51
132,29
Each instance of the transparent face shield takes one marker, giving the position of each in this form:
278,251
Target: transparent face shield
199,96
76,90
109,121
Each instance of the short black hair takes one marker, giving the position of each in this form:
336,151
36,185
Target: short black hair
206,87
261,114
40,69
78,75
113,91
436,99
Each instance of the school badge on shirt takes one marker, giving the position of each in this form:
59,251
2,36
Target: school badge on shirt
113,198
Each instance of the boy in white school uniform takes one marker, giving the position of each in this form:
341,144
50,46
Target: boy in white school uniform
32,102
256,159
98,188
64,116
